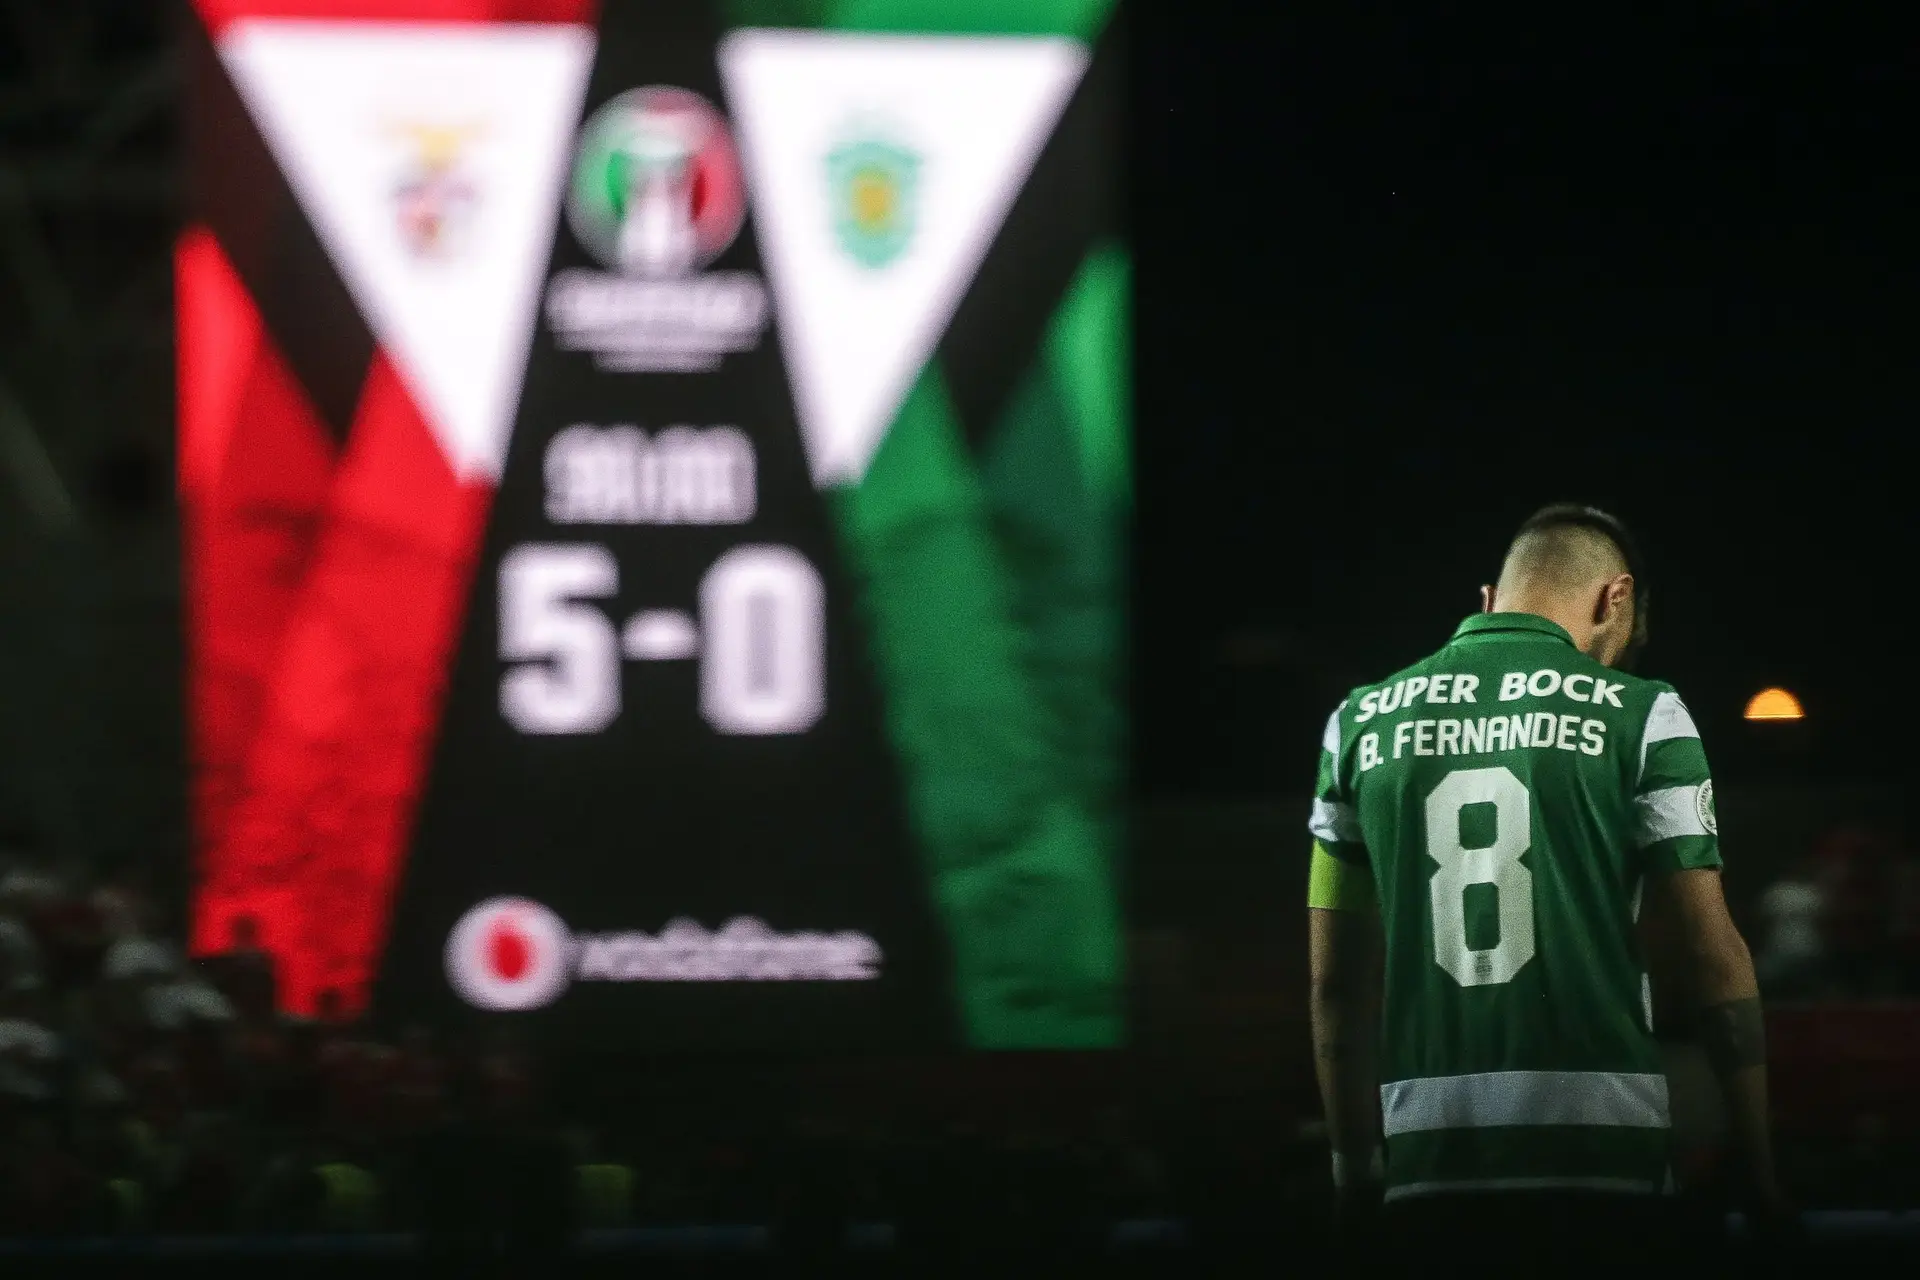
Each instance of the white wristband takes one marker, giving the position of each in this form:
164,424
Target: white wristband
1342,1174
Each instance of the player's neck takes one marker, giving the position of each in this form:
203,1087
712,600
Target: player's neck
1566,616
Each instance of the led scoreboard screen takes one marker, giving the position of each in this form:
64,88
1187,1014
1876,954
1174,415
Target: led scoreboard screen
653,488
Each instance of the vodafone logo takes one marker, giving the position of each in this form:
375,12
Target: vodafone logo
512,953
509,953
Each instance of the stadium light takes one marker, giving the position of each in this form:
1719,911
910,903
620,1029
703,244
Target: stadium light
1774,704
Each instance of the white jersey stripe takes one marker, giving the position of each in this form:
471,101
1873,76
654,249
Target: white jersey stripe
1334,821
1667,719
1626,1186
1666,813
1497,1098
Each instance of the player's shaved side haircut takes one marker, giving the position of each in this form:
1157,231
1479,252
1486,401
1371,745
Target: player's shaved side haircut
1563,548
1566,546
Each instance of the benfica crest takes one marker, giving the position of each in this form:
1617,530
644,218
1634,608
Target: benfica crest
434,199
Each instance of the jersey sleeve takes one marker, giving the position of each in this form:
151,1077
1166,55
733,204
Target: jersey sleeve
1674,825
1335,822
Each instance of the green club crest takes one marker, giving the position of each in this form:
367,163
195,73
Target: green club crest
873,186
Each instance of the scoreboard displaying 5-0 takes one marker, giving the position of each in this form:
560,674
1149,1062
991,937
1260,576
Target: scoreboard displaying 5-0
653,482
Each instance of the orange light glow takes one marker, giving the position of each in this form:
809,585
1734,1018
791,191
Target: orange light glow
1774,704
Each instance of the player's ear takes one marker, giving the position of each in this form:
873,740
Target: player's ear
1486,599
1613,598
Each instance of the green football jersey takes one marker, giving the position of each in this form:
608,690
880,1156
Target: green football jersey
1510,795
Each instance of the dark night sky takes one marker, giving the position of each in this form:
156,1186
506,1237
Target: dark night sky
1402,281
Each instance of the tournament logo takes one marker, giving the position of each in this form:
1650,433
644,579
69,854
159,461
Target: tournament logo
657,194
509,953
435,198
657,188
1703,807
873,185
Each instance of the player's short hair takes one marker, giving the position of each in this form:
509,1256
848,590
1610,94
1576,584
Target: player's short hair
1574,515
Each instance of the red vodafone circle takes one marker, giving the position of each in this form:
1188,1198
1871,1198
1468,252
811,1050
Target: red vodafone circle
509,953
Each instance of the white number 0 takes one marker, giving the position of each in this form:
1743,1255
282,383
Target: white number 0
764,612
1498,864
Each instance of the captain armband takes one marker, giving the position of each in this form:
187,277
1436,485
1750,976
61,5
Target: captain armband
1334,885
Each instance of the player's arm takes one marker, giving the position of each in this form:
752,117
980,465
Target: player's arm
1344,973
1708,965
1716,979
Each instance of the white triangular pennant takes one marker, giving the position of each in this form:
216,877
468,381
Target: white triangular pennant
430,158
880,169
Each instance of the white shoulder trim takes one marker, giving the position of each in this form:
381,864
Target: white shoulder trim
1335,823
1330,736
1673,811
1668,719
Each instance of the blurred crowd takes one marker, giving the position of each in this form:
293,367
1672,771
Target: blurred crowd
144,1092
1843,922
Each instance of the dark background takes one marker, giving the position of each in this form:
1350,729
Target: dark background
1405,277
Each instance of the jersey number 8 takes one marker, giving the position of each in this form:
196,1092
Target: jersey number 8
1497,864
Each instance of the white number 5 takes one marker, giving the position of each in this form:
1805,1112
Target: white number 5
1497,864
572,682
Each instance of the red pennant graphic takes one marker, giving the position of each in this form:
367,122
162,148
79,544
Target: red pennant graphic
218,13
314,846
256,465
